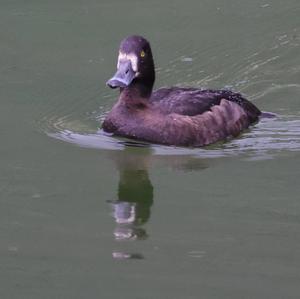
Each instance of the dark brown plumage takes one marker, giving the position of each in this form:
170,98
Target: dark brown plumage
171,116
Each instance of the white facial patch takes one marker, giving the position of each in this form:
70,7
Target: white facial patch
132,57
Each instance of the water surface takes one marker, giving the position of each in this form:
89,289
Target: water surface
86,215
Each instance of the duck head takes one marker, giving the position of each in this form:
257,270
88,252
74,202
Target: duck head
135,67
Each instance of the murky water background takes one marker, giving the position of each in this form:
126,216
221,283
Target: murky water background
85,215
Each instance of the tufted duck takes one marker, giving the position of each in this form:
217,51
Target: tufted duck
170,116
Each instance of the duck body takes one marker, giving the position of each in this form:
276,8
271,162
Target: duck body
171,116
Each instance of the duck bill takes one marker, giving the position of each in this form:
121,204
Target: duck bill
124,75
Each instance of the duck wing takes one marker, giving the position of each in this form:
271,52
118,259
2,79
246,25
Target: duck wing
193,101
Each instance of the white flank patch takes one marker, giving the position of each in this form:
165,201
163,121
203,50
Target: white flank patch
132,57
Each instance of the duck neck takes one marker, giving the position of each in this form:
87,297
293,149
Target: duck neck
136,95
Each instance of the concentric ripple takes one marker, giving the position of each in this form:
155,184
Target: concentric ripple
267,139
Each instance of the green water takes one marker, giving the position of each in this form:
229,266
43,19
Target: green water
85,215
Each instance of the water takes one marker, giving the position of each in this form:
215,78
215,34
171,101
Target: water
86,215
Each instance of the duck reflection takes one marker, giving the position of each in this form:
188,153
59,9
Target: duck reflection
132,208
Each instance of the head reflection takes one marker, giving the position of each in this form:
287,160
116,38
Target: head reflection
132,209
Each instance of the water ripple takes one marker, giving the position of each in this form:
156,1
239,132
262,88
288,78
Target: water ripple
267,139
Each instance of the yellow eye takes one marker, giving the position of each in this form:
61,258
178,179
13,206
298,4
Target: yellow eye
143,54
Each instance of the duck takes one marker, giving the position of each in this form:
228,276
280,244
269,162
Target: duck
176,116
